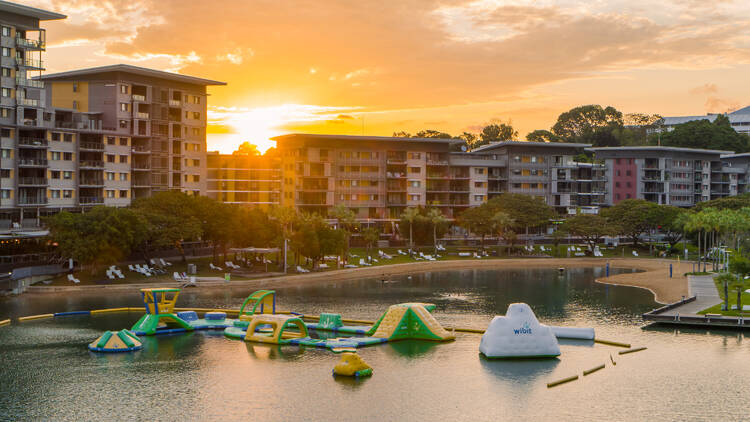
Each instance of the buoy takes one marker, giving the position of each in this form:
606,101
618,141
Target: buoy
592,370
562,381
33,317
4,322
352,365
637,349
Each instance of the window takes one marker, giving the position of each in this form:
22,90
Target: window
479,198
5,194
124,142
123,124
196,131
6,31
6,52
54,174
110,175
196,99
617,196
75,87
414,197
4,173
123,159
478,184
68,137
54,193
123,89
5,112
196,178
196,115
67,175
628,173
123,177
110,158
617,184
68,156
6,72
415,155
47,116
4,153
75,105
123,194
187,115
67,193
5,132
55,155
415,170
7,92
110,193
478,170
110,140
415,183
617,161
124,107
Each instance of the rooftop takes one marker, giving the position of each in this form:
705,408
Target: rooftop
659,149
356,138
135,70
494,145
33,12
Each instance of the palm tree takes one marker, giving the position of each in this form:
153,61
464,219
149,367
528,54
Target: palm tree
502,222
370,235
346,221
436,217
410,215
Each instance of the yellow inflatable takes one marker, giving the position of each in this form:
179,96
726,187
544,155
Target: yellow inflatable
352,365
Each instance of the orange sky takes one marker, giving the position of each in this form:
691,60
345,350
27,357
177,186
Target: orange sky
371,67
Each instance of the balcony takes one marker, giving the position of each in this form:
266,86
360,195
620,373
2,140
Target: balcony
27,102
32,162
30,44
141,167
30,63
92,146
29,82
91,182
137,97
32,181
141,115
91,164
175,103
39,200
90,200
140,150
33,142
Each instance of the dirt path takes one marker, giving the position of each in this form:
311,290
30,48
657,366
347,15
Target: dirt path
655,278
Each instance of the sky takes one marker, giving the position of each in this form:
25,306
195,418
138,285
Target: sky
378,67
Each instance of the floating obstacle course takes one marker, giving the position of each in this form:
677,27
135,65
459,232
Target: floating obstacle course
121,341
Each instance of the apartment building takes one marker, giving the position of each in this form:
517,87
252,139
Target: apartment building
739,164
253,181
380,176
545,170
739,119
668,175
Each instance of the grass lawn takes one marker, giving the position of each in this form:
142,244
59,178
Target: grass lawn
716,309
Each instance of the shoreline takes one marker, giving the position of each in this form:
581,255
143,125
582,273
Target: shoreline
655,275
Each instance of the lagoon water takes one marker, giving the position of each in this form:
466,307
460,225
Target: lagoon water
46,372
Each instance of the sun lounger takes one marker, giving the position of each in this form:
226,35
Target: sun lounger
363,263
635,253
323,266
213,267
165,263
73,279
178,277
302,270
350,266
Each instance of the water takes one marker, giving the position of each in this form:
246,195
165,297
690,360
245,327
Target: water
46,373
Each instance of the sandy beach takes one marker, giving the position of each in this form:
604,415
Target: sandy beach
654,278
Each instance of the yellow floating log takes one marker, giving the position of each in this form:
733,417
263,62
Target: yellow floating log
612,343
592,370
562,381
4,322
106,311
637,349
32,317
467,330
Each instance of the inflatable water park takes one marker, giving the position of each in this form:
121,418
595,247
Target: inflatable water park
516,335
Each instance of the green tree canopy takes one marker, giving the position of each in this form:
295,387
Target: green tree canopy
541,135
582,123
704,134
525,210
631,217
589,227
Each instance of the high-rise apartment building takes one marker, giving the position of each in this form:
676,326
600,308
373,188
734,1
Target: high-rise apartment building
246,180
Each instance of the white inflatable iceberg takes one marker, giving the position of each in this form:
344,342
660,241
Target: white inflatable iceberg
518,334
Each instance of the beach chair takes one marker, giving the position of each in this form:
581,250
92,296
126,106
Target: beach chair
400,252
350,266
213,267
635,253
363,263
323,266
119,274
110,275
73,279
179,277
302,270
130,267
165,263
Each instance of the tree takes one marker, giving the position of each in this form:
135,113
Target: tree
370,236
402,134
219,224
631,217
248,149
704,134
409,216
670,220
580,123
589,227
496,132
429,133
502,223
731,203
436,218
541,135
478,220
738,285
346,220
469,138
527,211
558,236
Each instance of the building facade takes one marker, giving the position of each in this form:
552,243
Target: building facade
668,175
245,180
739,119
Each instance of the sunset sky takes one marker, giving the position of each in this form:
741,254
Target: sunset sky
376,67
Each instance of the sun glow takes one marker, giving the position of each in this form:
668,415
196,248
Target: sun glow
231,126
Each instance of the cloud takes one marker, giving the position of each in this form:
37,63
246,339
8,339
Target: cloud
721,105
707,88
236,56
